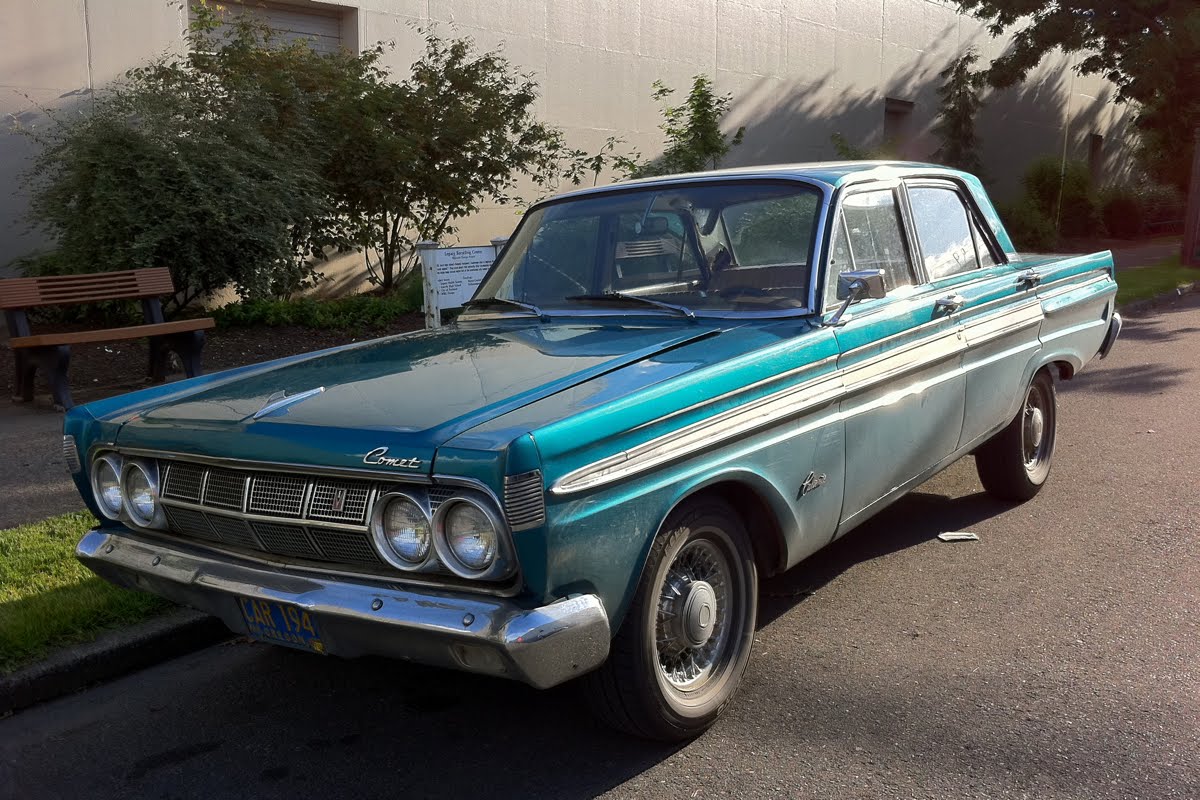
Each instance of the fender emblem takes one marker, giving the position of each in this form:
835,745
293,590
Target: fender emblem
815,480
379,458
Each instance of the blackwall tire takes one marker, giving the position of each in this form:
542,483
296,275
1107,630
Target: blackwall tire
1015,463
682,649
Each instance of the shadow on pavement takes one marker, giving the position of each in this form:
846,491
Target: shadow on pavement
918,517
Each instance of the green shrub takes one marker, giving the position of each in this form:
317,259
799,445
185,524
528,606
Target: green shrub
1122,211
355,312
1048,179
1031,230
1163,206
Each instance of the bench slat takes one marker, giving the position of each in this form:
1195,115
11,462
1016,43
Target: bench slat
73,289
113,334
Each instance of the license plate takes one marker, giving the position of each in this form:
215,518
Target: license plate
280,623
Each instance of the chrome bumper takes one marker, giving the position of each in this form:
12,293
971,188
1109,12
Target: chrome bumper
542,646
1110,338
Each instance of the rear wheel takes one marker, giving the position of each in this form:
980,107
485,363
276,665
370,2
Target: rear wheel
1015,463
685,642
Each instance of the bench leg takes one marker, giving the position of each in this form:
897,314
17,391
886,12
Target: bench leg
187,345
53,362
26,367
156,370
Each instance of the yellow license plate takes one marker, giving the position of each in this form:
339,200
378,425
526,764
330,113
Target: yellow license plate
281,623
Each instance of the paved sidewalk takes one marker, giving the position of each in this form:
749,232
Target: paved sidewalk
34,477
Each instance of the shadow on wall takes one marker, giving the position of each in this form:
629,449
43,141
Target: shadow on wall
792,120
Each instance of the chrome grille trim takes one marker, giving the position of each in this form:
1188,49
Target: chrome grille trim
71,453
183,482
524,500
277,495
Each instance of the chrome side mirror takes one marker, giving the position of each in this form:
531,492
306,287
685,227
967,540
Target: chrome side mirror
854,286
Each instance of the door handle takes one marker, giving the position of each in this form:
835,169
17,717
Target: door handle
950,303
1029,278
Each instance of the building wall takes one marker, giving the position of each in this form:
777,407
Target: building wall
800,70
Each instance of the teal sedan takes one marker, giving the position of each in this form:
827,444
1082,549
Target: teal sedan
662,391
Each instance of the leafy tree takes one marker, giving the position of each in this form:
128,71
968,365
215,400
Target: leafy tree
694,139
960,102
204,162
1150,49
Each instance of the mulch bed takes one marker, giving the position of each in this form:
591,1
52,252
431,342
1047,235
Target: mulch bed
104,370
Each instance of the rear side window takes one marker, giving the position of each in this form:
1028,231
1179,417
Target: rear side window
944,230
867,235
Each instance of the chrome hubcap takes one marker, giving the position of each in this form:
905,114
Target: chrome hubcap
692,630
1035,442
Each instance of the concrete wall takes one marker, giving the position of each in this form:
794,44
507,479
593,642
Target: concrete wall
800,70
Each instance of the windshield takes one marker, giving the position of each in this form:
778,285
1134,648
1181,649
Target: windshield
716,248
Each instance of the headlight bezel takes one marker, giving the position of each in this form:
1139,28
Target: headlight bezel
383,546
158,519
114,462
501,565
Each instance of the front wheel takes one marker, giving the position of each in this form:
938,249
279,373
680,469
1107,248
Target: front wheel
1015,463
685,642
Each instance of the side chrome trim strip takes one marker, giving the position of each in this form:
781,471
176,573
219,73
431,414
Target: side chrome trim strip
795,400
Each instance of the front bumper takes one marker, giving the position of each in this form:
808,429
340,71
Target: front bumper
542,646
1110,338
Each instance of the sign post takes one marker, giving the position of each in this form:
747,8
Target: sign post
1191,221
452,274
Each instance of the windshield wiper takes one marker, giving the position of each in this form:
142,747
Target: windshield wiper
483,302
633,298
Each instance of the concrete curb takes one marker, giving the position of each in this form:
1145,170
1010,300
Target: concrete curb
112,655
1140,307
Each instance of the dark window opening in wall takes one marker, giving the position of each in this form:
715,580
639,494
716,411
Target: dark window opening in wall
897,126
321,27
1096,157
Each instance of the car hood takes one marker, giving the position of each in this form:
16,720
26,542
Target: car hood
389,403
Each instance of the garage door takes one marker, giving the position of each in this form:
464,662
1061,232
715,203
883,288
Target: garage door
320,28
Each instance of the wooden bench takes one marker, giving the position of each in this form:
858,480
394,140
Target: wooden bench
51,352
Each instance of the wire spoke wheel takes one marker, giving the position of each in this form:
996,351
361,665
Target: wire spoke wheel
693,628
679,656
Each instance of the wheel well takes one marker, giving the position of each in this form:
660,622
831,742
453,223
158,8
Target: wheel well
766,536
1064,369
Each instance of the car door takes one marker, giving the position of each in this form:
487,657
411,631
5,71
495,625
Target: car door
998,310
899,356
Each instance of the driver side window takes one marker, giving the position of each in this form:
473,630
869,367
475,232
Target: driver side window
867,235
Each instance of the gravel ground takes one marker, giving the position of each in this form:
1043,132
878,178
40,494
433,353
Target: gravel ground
1054,658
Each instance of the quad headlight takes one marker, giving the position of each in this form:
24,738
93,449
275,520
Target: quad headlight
139,490
468,536
106,485
402,530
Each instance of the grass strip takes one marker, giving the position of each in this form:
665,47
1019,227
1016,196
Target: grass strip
1143,283
48,599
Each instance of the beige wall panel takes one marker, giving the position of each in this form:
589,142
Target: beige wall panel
123,33
861,17
602,24
591,85
689,37
749,39
524,17
809,50
858,62
904,23
44,45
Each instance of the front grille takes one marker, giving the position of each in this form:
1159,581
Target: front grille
225,489
277,495
71,453
340,501
183,482
309,517
286,540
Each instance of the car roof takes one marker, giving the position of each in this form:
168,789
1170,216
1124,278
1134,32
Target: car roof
830,173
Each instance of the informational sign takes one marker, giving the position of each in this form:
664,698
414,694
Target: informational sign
452,274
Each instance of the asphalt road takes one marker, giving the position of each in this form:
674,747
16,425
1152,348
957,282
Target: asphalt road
1057,657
